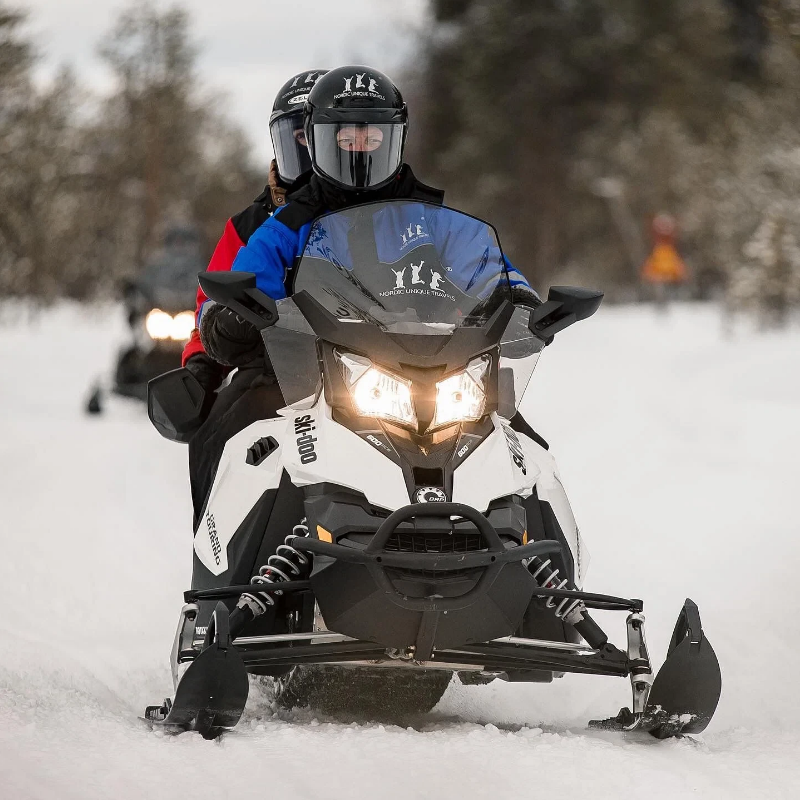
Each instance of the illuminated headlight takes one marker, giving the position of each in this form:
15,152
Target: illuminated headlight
182,326
158,324
161,325
377,393
462,397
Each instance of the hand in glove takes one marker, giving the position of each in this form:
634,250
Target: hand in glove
228,338
523,295
208,372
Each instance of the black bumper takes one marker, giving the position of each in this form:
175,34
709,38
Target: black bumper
420,600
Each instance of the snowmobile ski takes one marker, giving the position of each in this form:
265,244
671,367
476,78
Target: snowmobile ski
212,692
685,693
686,690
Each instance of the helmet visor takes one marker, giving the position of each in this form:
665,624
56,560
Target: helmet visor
289,144
360,155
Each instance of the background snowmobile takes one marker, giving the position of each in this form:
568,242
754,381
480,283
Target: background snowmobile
159,306
399,521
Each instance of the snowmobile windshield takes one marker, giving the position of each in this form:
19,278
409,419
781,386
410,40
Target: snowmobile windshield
519,354
169,281
405,267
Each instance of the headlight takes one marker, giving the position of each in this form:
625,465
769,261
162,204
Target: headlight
161,325
462,397
377,393
182,326
158,324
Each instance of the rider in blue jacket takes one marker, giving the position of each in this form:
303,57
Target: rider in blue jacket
356,125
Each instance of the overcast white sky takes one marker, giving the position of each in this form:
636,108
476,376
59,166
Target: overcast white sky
247,48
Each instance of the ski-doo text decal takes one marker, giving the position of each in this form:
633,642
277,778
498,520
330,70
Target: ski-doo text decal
305,441
515,448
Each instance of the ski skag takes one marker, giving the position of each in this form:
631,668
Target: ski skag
399,521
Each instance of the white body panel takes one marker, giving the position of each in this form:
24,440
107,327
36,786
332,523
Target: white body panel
497,469
343,457
491,471
340,457
550,489
237,487
316,449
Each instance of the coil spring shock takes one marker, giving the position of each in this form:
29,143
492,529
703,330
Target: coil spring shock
547,578
569,609
286,564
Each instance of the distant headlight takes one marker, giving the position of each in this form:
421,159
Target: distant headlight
377,393
182,326
158,324
462,397
161,325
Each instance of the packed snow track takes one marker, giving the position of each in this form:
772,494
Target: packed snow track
680,448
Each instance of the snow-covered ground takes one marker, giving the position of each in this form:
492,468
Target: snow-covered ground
681,453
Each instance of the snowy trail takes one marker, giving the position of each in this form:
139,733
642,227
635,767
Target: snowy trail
679,450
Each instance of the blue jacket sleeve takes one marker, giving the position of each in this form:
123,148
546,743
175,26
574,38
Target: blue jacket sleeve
515,277
270,254
461,240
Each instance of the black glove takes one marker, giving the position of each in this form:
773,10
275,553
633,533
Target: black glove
522,295
208,372
228,338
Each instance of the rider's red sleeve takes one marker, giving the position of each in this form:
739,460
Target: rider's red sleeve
222,260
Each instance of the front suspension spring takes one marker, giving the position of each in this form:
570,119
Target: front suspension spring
547,578
287,564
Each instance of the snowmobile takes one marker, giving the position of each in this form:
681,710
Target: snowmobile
158,305
399,521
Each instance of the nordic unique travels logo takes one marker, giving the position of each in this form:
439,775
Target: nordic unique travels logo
427,283
310,78
436,277
413,234
371,87
360,85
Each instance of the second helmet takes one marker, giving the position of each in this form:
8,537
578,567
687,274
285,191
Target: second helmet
286,125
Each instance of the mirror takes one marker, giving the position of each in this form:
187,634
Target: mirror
177,404
565,305
237,291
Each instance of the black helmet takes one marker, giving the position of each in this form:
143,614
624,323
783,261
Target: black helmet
291,153
356,124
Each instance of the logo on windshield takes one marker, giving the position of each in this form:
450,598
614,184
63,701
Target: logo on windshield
412,235
416,278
